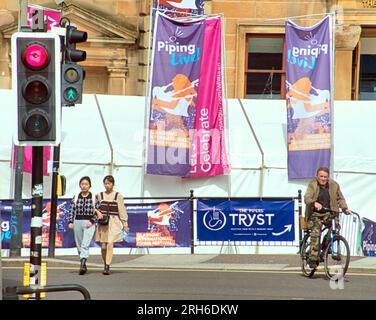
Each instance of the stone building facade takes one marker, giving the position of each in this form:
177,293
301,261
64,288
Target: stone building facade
117,48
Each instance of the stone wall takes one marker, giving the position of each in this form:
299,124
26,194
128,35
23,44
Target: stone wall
133,16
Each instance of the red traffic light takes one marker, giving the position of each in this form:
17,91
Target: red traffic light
35,56
36,80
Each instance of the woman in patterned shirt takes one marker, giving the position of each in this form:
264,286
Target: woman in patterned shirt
82,220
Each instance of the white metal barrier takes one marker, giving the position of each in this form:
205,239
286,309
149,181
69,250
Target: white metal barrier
350,230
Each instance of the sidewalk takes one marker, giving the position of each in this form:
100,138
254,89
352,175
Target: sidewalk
241,262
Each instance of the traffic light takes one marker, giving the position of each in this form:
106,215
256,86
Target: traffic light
72,37
36,83
72,81
73,74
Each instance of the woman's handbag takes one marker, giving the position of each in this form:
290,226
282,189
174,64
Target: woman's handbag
104,221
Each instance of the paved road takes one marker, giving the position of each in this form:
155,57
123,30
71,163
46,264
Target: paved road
125,284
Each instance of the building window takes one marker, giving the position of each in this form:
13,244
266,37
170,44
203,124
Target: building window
265,73
367,75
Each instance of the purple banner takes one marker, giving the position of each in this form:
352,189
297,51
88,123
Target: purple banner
175,75
153,225
368,237
308,97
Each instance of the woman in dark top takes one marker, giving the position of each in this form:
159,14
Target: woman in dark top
82,220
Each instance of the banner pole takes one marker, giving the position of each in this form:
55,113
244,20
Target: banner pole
54,202
300,215
55,174
147,103
17,206
299,17
22,16
225,109
191,199
332,43
262,166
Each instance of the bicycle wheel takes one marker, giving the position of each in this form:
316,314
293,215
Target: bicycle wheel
304,255
337,258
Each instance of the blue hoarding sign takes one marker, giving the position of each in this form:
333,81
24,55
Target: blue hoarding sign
64,236
369,237
245,220
162,224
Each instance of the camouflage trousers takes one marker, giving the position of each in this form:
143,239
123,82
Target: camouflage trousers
315,224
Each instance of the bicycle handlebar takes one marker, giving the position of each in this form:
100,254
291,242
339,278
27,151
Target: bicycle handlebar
330,210
333,212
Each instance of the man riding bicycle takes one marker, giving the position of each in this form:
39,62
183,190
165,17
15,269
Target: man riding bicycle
322,192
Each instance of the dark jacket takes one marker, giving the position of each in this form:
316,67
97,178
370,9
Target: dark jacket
337,199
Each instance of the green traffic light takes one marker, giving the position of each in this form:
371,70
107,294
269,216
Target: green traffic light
71,94
72,78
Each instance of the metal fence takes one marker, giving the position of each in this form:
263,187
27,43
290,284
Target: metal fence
350,230
350,225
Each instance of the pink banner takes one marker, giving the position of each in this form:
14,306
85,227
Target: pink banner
208,151
28,159
51,17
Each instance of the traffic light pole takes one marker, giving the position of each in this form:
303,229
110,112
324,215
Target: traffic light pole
53,213
36,78
72,77
55,173
36,219
17,208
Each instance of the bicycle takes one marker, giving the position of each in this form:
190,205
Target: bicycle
334,250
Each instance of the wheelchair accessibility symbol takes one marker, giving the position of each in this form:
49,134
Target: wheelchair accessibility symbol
214,220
